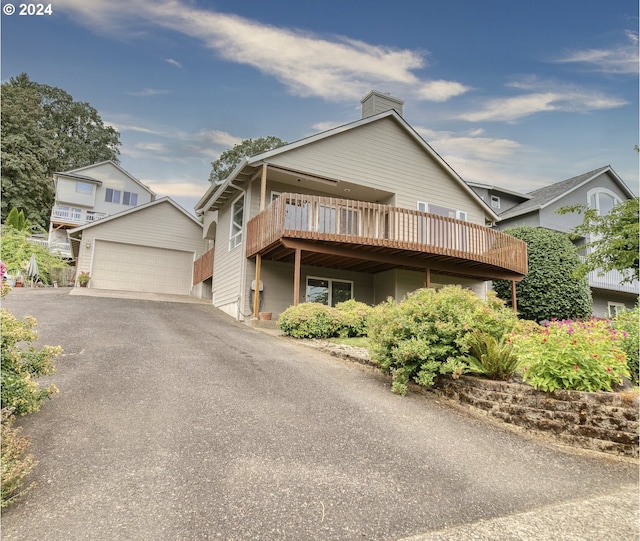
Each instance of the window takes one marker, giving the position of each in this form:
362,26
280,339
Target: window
237,223
495,202
328,291
615,308
602,200
84,188
441,211
129,198
112,196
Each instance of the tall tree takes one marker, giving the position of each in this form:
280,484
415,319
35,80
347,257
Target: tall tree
229,159
613,239
44,131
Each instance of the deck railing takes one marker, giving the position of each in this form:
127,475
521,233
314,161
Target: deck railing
75,216
203,267
362,223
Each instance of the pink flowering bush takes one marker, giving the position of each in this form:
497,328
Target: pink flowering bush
578,355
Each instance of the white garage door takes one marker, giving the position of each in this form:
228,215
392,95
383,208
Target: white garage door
130,267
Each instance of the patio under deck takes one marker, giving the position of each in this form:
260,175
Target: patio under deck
369,237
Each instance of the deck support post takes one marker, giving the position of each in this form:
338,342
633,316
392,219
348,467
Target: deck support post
296,277
427,278
263,196
514,301
256,292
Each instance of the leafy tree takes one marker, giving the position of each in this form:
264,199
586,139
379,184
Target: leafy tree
17,250
549,290
229,159
613,239
44,131
27,145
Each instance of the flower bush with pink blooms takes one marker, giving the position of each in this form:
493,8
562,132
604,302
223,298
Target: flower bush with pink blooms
577,355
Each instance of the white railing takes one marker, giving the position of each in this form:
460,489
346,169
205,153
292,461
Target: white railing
60,248
613,280
75,216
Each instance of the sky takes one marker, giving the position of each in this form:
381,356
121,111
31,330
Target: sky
513,93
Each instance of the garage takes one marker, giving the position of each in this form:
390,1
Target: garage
129,267
150,248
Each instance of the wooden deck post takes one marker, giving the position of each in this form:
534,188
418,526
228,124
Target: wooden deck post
514,301
263,196
256,292
427,278
296,277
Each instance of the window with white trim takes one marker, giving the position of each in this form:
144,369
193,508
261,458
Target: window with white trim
237,223
495,202
615,308
85,188
328,291
603,200
439,210
130,198
112,196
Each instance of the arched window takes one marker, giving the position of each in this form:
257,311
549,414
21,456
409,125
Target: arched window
603,200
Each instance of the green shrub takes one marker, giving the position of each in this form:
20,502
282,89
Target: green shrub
423,335
353,318
16,464
549,290
310,320
17,250
583,356
490,356
21,365
627,323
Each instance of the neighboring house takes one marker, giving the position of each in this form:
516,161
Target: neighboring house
367,210
149,248
87,194
600,189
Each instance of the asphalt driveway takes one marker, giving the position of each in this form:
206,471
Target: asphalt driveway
174,422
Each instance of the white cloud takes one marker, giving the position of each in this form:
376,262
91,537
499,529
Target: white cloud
335,67
173,62
620,59
540,97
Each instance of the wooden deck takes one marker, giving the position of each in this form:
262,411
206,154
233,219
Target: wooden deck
369,237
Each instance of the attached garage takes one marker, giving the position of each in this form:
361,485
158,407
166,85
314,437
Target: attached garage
150,249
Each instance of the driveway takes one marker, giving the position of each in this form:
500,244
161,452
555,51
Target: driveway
174,422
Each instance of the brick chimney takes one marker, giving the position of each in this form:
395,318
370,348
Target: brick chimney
376,102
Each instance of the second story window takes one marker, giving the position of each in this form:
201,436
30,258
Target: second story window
112,196
84,188
130,198
495,202
237,223
441,211
602,200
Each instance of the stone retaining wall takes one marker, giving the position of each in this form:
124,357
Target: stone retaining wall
605,422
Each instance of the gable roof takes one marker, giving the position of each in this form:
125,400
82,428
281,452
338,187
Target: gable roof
74,232
245,168
74,173
543,197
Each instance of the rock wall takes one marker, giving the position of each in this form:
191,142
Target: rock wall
605,422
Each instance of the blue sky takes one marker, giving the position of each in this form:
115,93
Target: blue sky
515,93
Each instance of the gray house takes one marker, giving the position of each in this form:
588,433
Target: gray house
600,189
366,210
